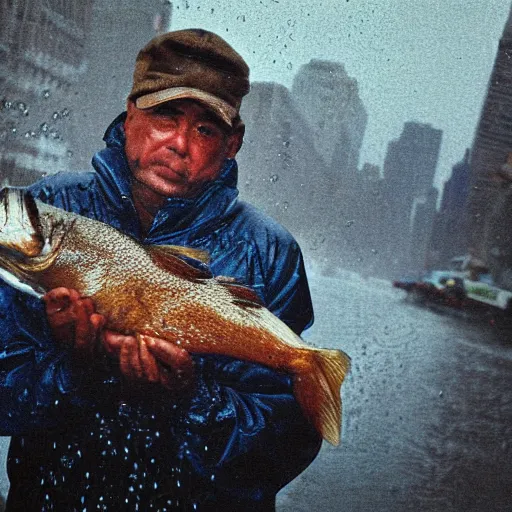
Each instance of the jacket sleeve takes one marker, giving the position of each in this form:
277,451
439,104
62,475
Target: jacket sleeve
244,426
287,291
244,429
40,383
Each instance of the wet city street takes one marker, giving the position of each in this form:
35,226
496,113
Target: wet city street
427,422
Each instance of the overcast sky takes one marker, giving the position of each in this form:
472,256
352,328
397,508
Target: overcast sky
421,60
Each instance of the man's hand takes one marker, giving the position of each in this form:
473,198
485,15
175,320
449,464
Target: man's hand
150,359
73,320
75,323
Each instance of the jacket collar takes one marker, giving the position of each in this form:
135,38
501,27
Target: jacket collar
178,214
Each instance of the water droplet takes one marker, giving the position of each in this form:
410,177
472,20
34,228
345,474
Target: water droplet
56,115
289,65
274,178
46,93
44,128
349,223
286,205
69,153
64,112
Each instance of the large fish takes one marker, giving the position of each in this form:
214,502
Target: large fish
154,291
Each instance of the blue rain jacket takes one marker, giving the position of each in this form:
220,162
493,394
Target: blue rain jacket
85,439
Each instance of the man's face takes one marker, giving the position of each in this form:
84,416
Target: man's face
177,147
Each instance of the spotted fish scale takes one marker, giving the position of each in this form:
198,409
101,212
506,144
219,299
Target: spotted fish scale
153,291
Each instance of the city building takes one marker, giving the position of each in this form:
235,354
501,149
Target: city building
448,236
41,59
491,146
409,169
280,170
330,102
119,29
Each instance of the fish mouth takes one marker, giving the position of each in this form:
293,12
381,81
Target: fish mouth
20,229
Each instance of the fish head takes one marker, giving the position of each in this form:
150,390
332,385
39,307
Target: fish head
21,234
29,239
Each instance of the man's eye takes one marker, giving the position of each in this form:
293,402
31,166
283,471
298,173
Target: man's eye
206,131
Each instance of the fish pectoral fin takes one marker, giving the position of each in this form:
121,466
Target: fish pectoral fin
188,252
317,389
170,261
242,295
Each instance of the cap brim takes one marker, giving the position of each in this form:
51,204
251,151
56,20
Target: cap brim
224,110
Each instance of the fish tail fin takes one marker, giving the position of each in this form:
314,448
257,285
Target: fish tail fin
317,389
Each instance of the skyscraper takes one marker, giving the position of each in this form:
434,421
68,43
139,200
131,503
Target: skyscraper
409,170
280,170
41,58
119,29
448,237
491,145
330,102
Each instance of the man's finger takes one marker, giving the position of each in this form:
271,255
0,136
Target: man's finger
129,359
169,353
56,300
98,322
85,337
87,304
148,362
112,342
177,366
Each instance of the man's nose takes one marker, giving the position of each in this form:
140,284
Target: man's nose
179,141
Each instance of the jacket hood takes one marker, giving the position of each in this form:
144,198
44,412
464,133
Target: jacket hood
178,214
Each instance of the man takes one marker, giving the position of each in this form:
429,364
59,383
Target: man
101,423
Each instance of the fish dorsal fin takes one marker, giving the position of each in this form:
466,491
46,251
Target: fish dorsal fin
242,295
188,252
169,261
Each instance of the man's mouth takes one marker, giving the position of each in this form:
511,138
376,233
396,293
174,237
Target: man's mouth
171,171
